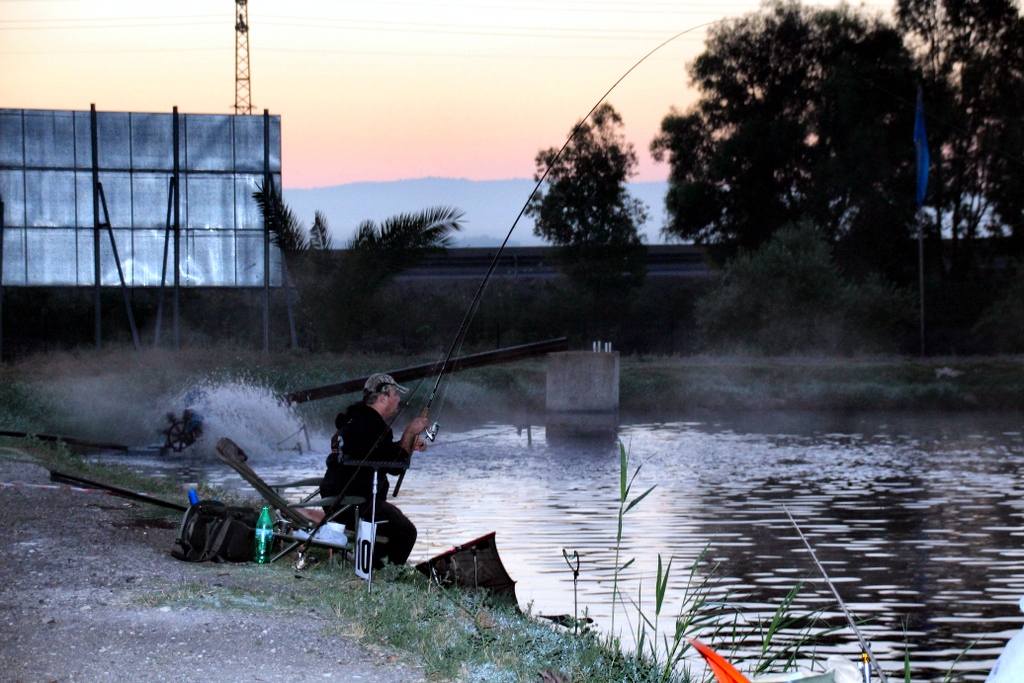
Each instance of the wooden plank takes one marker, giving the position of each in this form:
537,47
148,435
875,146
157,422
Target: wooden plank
75,480
234,457
477,360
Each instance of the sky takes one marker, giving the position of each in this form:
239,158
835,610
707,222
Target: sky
372,90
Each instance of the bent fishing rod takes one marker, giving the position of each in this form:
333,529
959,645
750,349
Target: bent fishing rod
866,652
460,335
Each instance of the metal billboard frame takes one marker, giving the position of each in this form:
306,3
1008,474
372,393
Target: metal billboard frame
215,161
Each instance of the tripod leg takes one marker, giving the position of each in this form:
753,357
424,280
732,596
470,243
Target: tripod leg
373,530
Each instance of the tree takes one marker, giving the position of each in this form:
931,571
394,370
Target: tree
797,122
320,234
586,209
337,296
347,295
971,56
286,232
379,252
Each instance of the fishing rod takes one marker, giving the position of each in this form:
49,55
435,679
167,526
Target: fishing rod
866,653
460,335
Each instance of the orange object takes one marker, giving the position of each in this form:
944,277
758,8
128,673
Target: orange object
723,670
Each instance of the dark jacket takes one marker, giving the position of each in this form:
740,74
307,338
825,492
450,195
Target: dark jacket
361,428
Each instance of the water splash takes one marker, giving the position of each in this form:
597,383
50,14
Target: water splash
252,416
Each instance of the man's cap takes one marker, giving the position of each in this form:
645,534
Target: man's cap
380,382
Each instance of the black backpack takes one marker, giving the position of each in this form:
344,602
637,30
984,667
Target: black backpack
211,530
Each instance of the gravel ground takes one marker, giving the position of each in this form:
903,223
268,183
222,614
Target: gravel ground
89,592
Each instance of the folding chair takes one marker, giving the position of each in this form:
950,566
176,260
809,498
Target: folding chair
297,515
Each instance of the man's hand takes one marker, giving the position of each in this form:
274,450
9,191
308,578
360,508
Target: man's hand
410,437
417,426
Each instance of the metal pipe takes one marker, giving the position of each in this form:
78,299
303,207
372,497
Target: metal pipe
120,271
507,355
286,281
1,280
268,192
920,271
75,480
71,441
163,270
176,309
97,322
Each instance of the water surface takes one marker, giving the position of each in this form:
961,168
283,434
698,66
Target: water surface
918,520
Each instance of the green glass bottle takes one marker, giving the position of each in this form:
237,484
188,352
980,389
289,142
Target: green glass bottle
264,537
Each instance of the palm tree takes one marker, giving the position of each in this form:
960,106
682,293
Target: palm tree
286,232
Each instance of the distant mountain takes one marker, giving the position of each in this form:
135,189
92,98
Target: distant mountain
490,206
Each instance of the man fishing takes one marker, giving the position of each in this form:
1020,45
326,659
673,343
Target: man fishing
364,435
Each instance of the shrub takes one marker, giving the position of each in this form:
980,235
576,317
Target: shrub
1002,323
790,296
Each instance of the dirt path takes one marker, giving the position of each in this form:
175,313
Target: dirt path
89,592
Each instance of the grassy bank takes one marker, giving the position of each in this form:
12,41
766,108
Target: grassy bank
822,384
121,395
456,634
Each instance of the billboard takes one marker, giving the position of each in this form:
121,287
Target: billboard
46,165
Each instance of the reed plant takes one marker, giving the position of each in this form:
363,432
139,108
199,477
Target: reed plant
706,611
625,505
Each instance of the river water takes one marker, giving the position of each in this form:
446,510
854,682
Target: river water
919,520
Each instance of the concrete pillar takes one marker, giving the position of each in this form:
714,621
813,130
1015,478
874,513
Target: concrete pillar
582,393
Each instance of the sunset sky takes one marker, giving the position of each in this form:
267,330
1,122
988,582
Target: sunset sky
370,90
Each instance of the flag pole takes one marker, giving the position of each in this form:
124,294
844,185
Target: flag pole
920,270
923,162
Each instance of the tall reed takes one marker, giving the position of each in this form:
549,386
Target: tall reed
625,505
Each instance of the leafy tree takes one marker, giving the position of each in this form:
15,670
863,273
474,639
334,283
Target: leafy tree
971,55
378,252
797,121
1001,326
586,209
790,296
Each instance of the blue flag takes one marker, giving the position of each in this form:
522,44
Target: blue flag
921,145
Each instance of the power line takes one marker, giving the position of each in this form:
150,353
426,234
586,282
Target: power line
147,17
483,29
402,27
576,56
157,24
582,5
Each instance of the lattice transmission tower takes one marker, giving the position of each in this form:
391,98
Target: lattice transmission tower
243,95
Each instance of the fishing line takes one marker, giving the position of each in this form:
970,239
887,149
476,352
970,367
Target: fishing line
456,347
865,648
475,438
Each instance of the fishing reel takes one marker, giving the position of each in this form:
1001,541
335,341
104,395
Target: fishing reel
431,433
